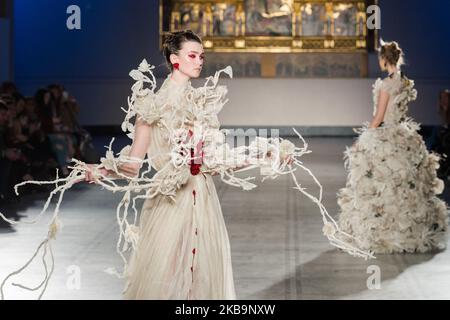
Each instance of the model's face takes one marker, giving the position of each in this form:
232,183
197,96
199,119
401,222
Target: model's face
190,59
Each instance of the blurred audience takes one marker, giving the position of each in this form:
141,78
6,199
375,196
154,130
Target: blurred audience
38,135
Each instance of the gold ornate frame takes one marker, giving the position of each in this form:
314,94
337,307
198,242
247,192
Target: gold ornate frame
296,42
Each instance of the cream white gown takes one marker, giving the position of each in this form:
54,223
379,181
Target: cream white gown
183,250
390,202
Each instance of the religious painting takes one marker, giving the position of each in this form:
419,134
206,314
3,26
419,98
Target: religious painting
345,15
191,17
313,19
224,19
269,17
278,38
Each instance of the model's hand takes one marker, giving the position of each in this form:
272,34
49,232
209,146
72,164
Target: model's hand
130,169
90,177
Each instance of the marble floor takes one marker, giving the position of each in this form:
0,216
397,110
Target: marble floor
278,249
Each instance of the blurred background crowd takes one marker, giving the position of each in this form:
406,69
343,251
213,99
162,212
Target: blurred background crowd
38,135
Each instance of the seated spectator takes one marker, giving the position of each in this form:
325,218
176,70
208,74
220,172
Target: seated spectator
9,157
51,124
439,141
39,134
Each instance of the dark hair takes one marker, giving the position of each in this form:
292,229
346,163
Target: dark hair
56,87
3,106
174,41
392,53
8,86
39,98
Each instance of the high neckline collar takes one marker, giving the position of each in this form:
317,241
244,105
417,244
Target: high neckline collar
177,84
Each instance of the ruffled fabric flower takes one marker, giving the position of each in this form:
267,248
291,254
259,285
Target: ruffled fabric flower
142,102
329,229
287,149
110,162
145,67
438,186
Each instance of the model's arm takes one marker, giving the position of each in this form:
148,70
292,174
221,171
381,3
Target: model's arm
138,150
383,100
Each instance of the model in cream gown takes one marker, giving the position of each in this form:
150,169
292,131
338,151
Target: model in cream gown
390,202
183,250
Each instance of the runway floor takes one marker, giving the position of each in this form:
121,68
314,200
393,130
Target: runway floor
278,249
